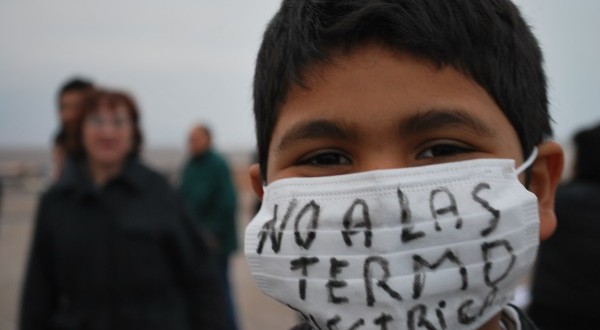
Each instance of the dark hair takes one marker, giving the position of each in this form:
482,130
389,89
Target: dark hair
92,102
587,159
487,40
74,85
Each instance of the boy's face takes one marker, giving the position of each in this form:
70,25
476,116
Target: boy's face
375,109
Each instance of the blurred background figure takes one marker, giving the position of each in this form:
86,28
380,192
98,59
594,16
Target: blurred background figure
1,195
112,247
565,286
209,193
70,97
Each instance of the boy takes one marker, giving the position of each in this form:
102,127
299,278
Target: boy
352,99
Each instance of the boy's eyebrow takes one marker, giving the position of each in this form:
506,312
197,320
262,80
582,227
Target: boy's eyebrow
316,129
425,121
437,118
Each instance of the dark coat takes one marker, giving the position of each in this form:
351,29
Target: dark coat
123,256
565,285
209,193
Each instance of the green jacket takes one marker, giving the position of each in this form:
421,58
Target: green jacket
209,194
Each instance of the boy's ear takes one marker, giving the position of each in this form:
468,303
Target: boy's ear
256,178
545,175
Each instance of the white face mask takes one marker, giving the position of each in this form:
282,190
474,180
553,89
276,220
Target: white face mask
431,247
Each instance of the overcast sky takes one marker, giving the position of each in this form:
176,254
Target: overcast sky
190,60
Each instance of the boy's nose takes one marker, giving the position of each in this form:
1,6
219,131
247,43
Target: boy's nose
383,160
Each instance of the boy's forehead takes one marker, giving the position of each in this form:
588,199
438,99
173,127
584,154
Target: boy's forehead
364,81
373,88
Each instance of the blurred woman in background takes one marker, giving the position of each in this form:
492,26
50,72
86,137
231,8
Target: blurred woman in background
112,248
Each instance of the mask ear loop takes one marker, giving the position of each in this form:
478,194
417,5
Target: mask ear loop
526,166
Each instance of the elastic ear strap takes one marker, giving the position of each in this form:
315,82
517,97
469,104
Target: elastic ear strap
532,157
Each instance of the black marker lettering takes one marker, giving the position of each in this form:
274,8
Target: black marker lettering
489,301
463,317
405,218
422,318
486,205
419,263
383,320
269,228
357,324
435,212
382,283
485,250
334,283
332,323
312,225
440,314
365,223
303,263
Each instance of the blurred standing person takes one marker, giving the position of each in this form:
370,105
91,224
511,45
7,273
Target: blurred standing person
209,194
1,197
112,247
565,285
70,98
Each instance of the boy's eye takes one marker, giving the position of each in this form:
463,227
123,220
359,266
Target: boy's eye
445,149
326,158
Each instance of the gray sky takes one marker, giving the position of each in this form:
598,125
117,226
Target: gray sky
190,61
